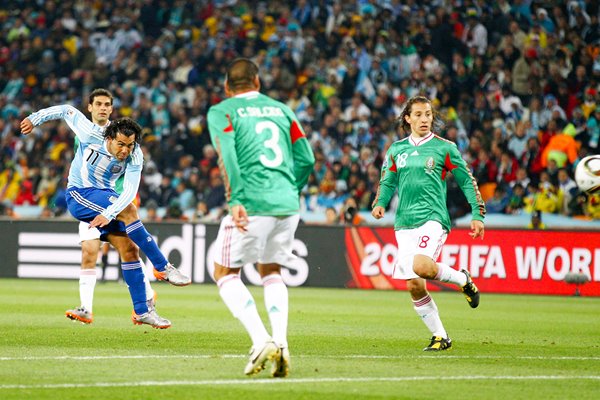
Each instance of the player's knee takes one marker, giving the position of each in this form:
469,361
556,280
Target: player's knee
424,266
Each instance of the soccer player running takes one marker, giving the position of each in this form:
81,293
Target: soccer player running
417,166
265,161
104,155
100,106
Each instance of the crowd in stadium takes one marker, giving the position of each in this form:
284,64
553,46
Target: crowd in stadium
517,83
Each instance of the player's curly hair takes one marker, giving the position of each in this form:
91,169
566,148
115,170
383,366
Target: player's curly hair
125,126
438,121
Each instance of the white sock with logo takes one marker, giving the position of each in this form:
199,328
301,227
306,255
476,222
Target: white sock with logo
449,275
277,304
240,302
428,311
87,283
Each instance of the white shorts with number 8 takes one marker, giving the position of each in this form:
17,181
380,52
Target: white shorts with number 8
427,240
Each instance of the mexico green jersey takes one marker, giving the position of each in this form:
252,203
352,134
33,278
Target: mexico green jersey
418,170
264,157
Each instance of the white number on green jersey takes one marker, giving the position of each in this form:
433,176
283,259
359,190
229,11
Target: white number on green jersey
271,143
401,160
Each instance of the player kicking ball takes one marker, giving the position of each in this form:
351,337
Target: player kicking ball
103,156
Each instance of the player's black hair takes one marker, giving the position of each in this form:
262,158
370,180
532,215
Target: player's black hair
438,122
241,73
100,92
125,126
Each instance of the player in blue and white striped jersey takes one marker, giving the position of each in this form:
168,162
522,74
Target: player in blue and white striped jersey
100,108
101,159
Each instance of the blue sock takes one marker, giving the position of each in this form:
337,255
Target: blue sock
134,277
140,236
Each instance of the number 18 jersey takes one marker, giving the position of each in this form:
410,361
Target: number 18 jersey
264,156
418,171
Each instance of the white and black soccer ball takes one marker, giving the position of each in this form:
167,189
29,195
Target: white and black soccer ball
587,174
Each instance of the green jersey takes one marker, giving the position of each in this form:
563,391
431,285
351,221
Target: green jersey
264,157
418,171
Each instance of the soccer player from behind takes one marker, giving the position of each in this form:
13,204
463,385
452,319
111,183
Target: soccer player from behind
265,161
102,157
100,106
417,166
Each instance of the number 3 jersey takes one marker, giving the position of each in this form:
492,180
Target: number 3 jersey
93,166
418,170
264,157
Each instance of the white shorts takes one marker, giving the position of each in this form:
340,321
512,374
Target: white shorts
85,233
268,240
427,240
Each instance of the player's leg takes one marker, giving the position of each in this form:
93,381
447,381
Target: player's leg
90,246
425,307
430,239
277,252
105,247
234,249
137,232
134,277
423,303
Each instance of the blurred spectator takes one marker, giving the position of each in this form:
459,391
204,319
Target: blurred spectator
536,221
498,202
516,201
331,216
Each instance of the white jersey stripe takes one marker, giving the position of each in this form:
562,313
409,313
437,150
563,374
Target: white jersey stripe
86,203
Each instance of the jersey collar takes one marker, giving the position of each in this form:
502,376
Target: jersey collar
251,93
421,141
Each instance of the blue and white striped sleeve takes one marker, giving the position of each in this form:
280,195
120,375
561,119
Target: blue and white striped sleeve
83,127
131,183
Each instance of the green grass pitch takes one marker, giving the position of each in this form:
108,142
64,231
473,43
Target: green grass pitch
345,344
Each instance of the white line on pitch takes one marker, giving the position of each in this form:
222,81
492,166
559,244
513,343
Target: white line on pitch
348,356
292,380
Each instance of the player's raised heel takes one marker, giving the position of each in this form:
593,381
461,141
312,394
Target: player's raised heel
281,366
80,314
150,318
172,275
470,290
439,343
259,357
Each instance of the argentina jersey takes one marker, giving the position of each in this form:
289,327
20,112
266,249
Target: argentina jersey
93,166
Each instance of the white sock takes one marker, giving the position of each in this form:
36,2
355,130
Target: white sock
240,302
448,274
149,290
87,283
428,311
276,302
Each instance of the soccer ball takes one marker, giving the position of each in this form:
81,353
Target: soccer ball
587,174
